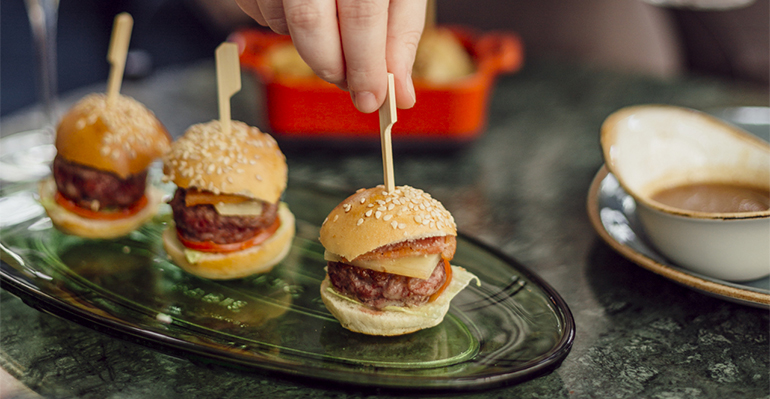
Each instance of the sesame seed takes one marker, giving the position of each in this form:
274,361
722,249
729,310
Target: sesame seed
404,203
363,200
336,217
205,144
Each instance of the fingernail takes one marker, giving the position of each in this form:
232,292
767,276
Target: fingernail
410,87
365,101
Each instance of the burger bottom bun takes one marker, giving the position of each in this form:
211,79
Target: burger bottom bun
224,266
71,223
361,319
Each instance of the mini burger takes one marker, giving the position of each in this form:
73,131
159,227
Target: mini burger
388,254
99,185
229,221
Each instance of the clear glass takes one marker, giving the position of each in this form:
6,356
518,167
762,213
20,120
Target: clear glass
27,155
510,328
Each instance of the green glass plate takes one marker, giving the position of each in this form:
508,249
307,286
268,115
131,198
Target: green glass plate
510,328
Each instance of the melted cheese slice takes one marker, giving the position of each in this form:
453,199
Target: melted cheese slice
420,266
246,208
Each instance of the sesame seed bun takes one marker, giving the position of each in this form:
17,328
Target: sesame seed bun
123,138
245,162
71,223
361,319
372,217
223,266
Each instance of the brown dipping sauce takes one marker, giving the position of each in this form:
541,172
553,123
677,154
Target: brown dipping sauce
716,198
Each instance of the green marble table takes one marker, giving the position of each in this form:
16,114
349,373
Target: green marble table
521,187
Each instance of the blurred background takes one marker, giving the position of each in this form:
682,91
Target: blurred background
628,35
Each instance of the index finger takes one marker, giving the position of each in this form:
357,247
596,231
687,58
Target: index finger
315,33
363,31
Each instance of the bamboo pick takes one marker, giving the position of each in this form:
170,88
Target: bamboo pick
228,80
387,119
116,54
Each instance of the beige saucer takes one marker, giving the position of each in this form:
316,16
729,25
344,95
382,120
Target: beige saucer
734,292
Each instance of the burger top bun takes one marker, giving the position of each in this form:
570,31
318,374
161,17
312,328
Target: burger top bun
245,162
373,217
123,138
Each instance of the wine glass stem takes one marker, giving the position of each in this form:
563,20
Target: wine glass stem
43,15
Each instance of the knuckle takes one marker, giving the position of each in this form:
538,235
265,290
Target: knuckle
410,40
363,12
303,16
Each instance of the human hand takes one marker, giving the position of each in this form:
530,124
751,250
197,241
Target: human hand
351,43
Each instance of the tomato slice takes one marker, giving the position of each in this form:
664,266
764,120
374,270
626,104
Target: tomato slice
197,197
210,246
122,213
448,270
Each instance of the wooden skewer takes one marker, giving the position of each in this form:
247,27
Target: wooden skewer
228,80
387,119
116,54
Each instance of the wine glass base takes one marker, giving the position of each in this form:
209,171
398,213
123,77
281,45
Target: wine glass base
26,156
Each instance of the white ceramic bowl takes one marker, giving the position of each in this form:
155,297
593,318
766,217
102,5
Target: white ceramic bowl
653,147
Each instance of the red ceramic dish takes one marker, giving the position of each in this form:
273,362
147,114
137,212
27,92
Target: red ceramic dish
309,108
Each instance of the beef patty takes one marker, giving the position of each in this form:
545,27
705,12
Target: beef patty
203,223
85,185
380,289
